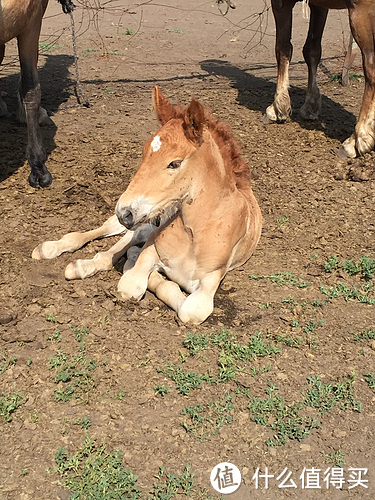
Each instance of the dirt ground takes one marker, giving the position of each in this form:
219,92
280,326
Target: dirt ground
314,206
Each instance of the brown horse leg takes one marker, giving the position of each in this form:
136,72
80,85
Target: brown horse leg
3,106
312,53
362,22
281,109
30,96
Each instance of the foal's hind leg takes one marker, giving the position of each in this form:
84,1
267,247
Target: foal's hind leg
103,261
312,52
72,241
281,108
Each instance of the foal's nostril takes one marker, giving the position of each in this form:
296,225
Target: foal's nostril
127,218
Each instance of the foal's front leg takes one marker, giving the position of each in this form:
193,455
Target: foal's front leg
133,283
103,261
194,308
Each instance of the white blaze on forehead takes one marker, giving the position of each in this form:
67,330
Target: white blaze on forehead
156,143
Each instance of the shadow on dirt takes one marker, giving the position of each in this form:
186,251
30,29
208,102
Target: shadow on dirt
56,88
257,93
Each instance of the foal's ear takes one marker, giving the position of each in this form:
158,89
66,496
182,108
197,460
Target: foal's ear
165,111
194,122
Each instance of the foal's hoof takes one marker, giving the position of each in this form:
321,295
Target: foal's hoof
42,181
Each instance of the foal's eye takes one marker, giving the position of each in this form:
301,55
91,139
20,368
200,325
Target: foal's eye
175,164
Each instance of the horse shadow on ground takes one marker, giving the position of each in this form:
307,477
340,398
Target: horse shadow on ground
257,93
56,85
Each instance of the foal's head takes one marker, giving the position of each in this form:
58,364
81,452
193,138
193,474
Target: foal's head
172,167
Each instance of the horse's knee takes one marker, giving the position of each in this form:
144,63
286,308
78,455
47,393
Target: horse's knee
131,286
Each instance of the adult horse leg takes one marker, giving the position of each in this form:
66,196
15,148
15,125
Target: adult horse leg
3,106
30,97
281,108
312,53
362,22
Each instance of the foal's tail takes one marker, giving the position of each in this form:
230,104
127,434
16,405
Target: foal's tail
67,6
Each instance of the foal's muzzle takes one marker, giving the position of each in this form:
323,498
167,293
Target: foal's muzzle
126,217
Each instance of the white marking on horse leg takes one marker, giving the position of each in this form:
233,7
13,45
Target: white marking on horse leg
72,241
156,143
281,108
347,149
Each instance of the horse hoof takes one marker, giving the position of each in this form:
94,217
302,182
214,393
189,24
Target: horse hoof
42,181
266,119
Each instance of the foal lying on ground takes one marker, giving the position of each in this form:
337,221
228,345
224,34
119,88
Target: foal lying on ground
189,214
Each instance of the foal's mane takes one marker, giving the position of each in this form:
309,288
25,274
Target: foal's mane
228,147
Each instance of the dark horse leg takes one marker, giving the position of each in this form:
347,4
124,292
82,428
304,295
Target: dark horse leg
30,97
281,108
362,23
312,53
3,106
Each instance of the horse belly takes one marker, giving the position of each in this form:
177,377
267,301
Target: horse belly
329,4
16,16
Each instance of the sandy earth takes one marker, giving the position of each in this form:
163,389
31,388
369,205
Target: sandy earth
314,206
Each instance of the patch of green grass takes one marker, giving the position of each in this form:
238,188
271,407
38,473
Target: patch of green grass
350,293
337,77
93,473
129,31
287,421
49,47
56,337
107,90
185,381
206,420
289,340
6,363
161,389
335,458
80,334
324,397
231,356
9,403
51,318
84,422
365,335
365,266
283,278
74,373
282,221
121,395
370,379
